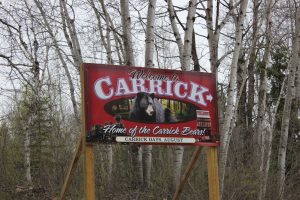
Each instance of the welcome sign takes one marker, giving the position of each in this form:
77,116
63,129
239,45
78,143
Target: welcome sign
149,106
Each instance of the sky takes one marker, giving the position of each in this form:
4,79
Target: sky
6,88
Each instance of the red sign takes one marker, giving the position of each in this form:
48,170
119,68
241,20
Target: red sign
149,106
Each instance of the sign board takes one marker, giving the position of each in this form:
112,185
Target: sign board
149,106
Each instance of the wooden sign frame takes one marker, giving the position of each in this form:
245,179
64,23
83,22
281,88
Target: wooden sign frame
89,159
125,104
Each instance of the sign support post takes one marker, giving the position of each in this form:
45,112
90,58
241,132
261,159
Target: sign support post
72,168
89,171
90,193
187,173
213,173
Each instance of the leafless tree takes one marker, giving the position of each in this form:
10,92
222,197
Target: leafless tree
292,67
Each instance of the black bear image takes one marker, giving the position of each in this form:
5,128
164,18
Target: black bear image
147,108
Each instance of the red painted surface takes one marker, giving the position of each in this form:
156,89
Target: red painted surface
104,80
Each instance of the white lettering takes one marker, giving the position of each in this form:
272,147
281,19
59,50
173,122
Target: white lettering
189,131
122,87
137,85
192,91
165,131
155,87
196,93
99,88
177,87
112,129
169,88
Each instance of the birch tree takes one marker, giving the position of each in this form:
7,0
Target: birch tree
26,51
185,53
172,16
61,58
226,127
106,41
24,58
135,150
149,50
214,28
262,130
127,37
188,33
70,33
292,67
107,45
251,65
298,88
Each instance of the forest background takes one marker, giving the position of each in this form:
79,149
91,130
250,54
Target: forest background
252,45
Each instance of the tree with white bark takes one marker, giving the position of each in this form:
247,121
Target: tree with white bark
149,51
290,92
185,51
226,128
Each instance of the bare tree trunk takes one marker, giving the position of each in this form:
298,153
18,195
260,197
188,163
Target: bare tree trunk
66,34
179,42
187,48
107,36
150,34
75,47
213,38
241,74
105,39
269,139
178,156
194,54
126,22
292,66
136,166
298,87
60,56
185,56
28,133
226,129
213,31
147,149
137,162
252,59
118,41
110,28
34,102
147,164
297,93
109,165
262,130
27,156
107,46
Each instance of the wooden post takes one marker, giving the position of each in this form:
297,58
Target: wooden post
90,193
71,169
89,170
187,173
213,173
